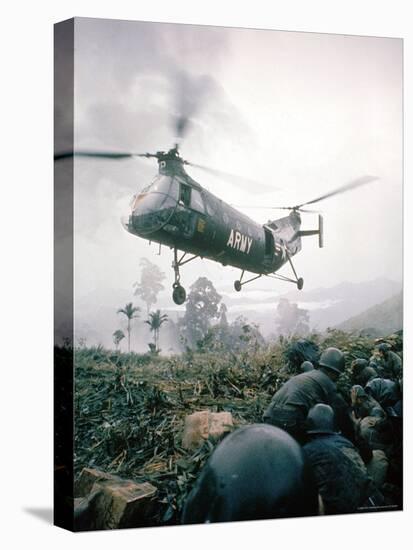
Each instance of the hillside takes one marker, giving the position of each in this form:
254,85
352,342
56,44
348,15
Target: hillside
381,319
327,306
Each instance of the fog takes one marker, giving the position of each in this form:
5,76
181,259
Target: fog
302,113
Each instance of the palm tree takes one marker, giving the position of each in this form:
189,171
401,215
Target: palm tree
155,321
130,311
117,336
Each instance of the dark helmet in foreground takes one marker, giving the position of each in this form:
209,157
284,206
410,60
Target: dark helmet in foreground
320,420
257,472
332,358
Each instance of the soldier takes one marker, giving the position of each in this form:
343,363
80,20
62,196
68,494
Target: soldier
362,403
386,392
362,372
377,364
391,362
370,420
256,472
290,404
340,473
299,352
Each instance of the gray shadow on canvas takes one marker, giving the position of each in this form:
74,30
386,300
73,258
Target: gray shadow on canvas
45,514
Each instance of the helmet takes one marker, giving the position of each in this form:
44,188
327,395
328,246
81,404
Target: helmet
383,347
367,374
358,365
306,366
320,420
374,361
332,358
385,392
256,472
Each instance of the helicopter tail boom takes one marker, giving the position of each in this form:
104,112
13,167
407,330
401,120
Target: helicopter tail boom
318,232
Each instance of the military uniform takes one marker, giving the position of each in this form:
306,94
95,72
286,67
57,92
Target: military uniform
368,373
291,403
386,392
341,476
363,403
392,365
374,430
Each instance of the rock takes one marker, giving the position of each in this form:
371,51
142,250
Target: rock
87,478
123,503
220,423
112,503
203,424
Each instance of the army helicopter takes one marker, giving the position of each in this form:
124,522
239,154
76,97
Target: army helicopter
176,211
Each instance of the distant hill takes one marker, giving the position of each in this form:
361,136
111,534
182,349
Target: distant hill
327,306
381,319
364,292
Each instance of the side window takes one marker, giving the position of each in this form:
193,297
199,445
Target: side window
211,207
185,194
196,201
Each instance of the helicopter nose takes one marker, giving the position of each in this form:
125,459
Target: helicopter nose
124,220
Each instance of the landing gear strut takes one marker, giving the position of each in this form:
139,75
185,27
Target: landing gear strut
299,281
179,293
239,284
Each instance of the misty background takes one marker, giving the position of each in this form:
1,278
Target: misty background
300,112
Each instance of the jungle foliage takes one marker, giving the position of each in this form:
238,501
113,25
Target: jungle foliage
130,408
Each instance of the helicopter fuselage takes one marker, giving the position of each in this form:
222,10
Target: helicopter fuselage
176,211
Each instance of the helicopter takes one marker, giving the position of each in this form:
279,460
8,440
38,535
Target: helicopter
175,210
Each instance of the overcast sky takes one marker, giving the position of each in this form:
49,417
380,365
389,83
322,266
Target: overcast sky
301,112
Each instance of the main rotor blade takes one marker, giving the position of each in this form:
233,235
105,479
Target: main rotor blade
233,178
343,189
306,210
190,95
100,154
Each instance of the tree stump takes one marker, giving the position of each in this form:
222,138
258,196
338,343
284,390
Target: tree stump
112,502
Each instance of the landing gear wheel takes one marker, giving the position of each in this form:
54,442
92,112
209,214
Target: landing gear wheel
179,295
237,285
300,283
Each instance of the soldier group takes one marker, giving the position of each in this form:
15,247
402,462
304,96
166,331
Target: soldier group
316,452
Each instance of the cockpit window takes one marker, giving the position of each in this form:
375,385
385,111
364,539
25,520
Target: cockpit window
155,204
161,192
185,194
